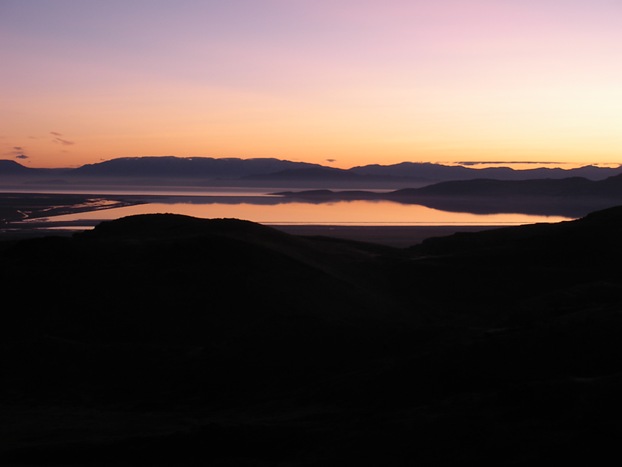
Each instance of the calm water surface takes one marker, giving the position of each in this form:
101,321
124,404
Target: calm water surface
279,211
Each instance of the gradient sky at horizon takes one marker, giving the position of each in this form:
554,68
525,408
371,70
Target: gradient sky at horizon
336,82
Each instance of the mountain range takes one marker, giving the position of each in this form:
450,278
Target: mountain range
270,172
169,340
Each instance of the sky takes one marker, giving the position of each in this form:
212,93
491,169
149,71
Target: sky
336,82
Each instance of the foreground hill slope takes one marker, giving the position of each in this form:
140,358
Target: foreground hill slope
172,267
170,340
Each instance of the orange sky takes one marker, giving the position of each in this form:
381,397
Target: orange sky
338,82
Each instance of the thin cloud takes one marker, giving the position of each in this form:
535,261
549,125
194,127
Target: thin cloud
507,162
58,140
64,142
17,152
331,160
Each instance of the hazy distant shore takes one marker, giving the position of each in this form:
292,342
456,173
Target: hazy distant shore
31,214
397,236
16,207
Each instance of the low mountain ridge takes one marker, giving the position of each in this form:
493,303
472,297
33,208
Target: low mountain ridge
169,170
439,172
191,167
11,167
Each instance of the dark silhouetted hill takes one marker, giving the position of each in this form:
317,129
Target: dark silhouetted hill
169,340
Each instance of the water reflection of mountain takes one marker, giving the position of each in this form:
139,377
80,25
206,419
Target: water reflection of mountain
45,210
539,206
571,197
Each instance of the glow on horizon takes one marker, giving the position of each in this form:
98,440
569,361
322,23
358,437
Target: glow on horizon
338,82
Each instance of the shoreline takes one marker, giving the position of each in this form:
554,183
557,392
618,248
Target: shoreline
388,235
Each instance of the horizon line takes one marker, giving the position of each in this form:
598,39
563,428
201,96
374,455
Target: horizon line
466,164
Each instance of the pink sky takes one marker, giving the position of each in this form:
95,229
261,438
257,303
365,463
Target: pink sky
357,82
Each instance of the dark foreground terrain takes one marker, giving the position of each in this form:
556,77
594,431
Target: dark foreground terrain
168,340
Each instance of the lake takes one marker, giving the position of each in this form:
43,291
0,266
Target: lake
280,211
388,222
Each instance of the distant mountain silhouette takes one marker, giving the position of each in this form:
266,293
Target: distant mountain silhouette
206,171
438,172
308,174
9,168
193,167
12,167
170,340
